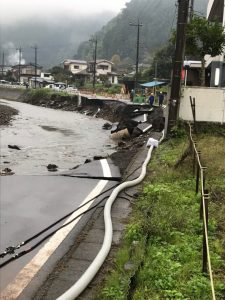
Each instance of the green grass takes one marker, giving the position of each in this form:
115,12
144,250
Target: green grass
42,94
163,239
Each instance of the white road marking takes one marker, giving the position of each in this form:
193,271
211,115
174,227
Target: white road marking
24,277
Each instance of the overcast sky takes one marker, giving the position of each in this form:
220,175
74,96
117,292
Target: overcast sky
12,11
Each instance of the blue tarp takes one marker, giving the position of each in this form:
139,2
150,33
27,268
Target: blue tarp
152,84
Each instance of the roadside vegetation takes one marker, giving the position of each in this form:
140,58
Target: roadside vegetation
101,88
161,254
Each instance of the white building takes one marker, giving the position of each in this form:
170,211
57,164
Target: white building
47,76
75,66
216,10
85,69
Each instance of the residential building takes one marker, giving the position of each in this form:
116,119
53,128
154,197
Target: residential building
216,11
47,76
24,73
4,69
103,69
75,66
83,70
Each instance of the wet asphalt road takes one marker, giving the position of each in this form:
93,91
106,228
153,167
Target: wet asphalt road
34,198
48,136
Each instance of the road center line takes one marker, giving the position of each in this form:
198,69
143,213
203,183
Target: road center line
24,277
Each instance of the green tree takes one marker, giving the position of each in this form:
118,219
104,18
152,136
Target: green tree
204,37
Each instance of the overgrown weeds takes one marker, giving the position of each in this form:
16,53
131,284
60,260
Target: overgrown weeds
163,240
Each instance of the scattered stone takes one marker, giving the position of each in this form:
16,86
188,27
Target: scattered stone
14,147
75,167
98,157
107,126
52,167
6,162
6,171
121,144
87,161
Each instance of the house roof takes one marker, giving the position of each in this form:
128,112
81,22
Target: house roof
98,61
152,83
27,65
75,61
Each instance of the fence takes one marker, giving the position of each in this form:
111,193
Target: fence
200,171
210,104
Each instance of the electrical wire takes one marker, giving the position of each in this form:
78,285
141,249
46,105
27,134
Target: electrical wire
94,267
22,253
11,249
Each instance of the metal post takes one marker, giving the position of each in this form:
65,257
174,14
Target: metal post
194,157
204,247
197,179
174,101
138,25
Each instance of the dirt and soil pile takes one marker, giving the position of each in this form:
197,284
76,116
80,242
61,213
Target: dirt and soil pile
6,114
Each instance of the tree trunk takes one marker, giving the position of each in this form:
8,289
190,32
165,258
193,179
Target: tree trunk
203,72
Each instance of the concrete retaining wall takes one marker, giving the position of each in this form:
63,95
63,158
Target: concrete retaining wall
210,104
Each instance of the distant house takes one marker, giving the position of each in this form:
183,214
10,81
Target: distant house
216,11
47,76
24,73
83,70
75,66
4,69
103,69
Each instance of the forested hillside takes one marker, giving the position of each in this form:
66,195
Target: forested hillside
118,37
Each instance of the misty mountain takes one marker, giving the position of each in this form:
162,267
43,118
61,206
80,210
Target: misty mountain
56,40
118,37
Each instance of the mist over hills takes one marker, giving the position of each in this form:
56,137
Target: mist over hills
118,37
56,39
68,37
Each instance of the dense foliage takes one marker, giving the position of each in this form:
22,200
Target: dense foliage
204,37
119,38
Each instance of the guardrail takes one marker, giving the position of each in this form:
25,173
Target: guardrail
200,172
12,86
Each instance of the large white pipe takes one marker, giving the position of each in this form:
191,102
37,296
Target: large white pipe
92,270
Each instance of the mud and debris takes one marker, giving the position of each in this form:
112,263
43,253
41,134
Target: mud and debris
6,114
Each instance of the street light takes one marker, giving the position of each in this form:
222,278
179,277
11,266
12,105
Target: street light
138,25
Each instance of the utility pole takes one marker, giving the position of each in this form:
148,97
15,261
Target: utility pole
20,57
35,65
3,63
95,41
191,13
174,101
155,78
138,25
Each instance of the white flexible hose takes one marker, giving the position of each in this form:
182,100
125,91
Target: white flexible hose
92,270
